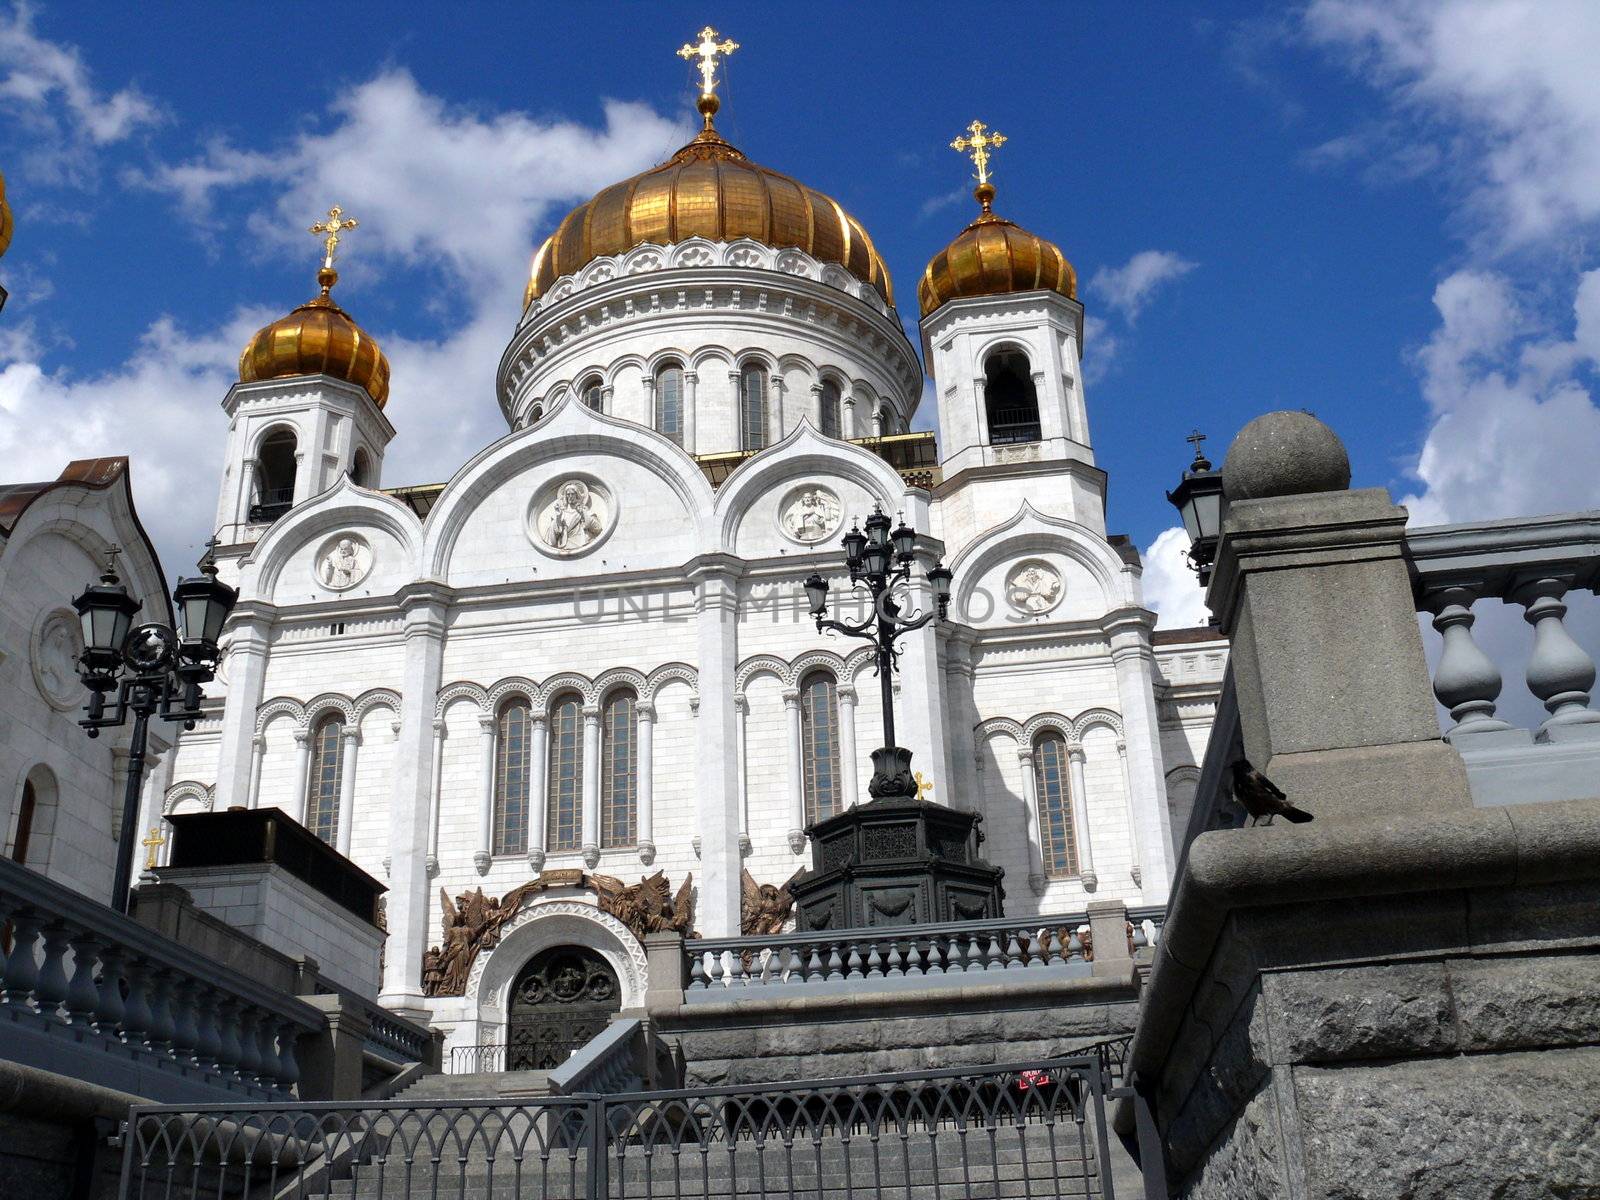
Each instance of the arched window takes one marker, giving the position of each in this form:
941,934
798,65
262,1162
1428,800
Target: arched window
593,393
19,844
753,407
819,744
322,788
1009,398
829,403
564,815
513,732
361,469
1056,834
275,471
619,769
536,414
669,401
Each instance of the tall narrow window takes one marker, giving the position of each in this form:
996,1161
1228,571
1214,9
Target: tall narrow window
564,816
512,735
593,393
752,408
275,471
669,401
322,790
830,409
19,847
819,749
1056,834
619,770
1009,399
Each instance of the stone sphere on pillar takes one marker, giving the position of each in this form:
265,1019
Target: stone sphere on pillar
1284,454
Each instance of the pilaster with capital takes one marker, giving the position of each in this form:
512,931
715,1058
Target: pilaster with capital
1080,817
1134,661
796,772
590,839
690,379
849,764
921,714
349,750
296,807
741,703
645,797
1030,822
716,618
538,773
247,671
440,730
484,854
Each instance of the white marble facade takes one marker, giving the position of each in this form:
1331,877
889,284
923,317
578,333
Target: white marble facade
586,551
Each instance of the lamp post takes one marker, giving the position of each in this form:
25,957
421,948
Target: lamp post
153,669
880,560
1198,498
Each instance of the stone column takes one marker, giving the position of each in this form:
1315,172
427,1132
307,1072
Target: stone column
350,754
425,606
247,485
1079,799
484,855
920,703
1030,822
816,406
247,669
645,796
258,751
775,425
1312,589
1135,866
689,380
848,422
440,731
647,390
296,807
877,421
960,675
796,774
717,609
849,765
741,703
1134,660
591,785
538,773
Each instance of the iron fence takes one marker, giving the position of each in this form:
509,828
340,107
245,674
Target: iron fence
1021,1130
473,1060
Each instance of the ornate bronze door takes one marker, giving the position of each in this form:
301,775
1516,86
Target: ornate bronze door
564,996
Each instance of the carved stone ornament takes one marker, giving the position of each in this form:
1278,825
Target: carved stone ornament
1034,587
474,922
764,907
810,514
344,561
57,642
571,516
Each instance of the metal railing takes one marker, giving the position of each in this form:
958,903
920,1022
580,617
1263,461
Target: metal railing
476,1060
1019,1130
88,992
915,954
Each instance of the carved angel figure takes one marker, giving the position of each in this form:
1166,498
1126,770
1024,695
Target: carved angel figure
764,907
648,906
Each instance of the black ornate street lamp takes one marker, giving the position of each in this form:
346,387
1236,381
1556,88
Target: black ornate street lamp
881,561
1198,498
152,668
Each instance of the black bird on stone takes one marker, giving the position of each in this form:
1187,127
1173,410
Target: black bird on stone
1260,797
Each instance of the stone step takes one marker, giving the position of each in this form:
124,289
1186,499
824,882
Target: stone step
483,1085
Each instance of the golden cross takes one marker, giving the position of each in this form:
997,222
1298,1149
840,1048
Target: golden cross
333,227
923,784
707,51
154,842
978,144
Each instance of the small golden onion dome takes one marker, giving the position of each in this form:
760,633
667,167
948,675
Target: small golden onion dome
318,338
993,257
6,223
708,189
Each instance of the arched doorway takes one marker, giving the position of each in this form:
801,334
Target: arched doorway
562,998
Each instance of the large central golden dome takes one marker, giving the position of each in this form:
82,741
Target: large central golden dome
708,189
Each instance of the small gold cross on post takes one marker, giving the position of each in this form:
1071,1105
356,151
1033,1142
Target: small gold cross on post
330,230
924,785
977,145
708,50
153,844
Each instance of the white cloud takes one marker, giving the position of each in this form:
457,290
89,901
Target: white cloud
1099,348
942,201
1130,287
1170,585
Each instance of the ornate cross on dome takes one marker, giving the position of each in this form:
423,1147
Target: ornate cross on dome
708,50
977,145
336,224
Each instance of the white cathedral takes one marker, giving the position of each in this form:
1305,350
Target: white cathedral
590,648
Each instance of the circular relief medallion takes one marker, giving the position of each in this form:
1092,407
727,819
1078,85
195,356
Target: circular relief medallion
1034,587
809,514
57,642
344,561
571,516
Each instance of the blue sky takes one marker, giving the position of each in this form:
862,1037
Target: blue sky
1381,212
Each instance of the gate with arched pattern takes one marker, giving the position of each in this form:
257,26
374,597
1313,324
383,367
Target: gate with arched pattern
563,997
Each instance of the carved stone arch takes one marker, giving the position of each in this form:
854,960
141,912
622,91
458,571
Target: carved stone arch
280,706
598,271
1090,718
567,681
1007,341
1030,532
376,698
277,425
345,505
462,690
560,291
1183,773
672,355
710,356
855,662
695,252
617,677
646,256
838,277
316,707
760,664
547,923
1037,724
512,685
813,660
671,673
755,354
998,727
188,789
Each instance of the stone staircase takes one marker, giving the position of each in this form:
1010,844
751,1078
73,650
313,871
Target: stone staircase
482,1085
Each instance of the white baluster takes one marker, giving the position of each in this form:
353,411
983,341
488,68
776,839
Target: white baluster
1559,672
1466,681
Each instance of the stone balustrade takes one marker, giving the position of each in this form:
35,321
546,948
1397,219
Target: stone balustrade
87,992
1535,563
612,1061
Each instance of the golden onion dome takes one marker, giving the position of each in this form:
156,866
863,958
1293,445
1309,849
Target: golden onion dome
6,222
708,189
318,338
993,257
